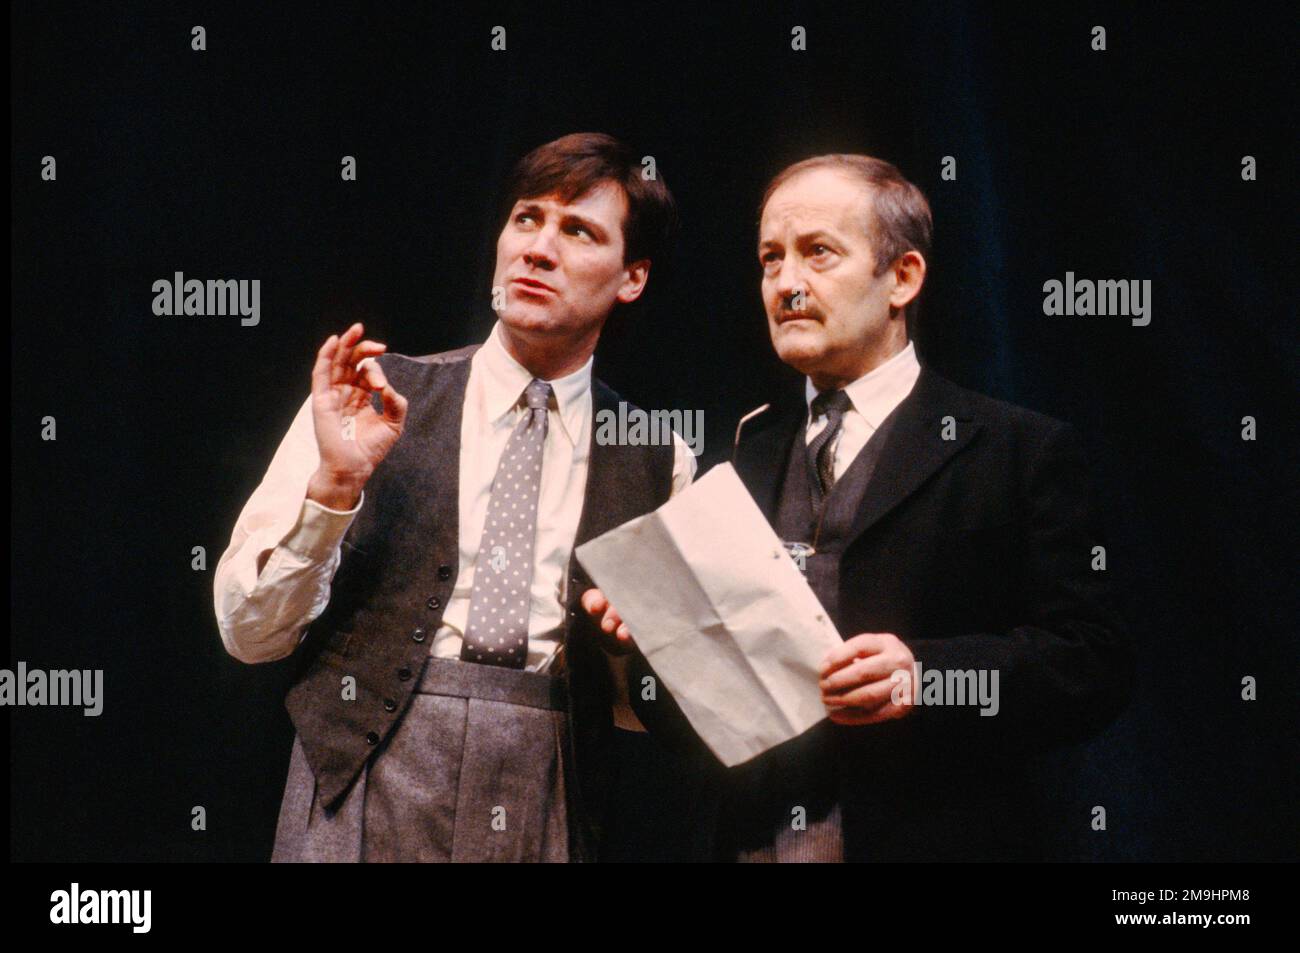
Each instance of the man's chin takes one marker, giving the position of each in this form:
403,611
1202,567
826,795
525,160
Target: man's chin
529,317
802,350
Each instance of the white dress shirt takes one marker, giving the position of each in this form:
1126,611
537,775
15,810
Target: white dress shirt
262,616
874,396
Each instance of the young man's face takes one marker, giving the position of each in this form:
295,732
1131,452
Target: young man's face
561,264
813,244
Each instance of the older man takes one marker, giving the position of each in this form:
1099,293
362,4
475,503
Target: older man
949,535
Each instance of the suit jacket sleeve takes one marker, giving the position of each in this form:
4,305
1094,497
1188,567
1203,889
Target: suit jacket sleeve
1065,670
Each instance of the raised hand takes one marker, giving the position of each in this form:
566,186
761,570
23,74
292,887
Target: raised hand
351,437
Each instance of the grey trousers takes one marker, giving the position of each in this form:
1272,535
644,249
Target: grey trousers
810,839
473,771
784,806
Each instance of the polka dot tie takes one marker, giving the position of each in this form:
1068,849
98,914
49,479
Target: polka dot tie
497,631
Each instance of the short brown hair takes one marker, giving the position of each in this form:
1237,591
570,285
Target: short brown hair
900,219
571,166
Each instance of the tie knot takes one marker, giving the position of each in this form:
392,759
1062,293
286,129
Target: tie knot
537,395
831,402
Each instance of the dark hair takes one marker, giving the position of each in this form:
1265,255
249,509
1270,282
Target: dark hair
899,219
573,165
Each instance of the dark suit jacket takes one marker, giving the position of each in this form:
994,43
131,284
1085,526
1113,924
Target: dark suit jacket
976,552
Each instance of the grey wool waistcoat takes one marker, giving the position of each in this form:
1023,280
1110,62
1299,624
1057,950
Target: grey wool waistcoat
399,564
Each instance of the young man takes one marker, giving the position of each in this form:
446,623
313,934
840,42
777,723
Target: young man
420,517
937,526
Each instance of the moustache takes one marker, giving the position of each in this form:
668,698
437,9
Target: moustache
787,314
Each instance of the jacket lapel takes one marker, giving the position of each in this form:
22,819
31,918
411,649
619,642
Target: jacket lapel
761,457
915,449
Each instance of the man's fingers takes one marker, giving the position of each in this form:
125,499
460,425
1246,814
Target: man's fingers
394,405
868,715
868,697
594,602
371,376
345,360
856,716
320,371
599,609
858,671
366,349
340,369
859,646
622,637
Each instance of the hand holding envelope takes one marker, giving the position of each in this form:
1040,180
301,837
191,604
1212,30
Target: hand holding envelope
618,637
721,613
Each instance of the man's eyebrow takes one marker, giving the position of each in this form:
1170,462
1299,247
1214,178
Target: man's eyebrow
816,233
593,227
802,238
524,207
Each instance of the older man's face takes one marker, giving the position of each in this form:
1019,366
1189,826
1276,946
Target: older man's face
826,311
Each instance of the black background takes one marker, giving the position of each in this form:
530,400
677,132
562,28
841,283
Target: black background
225,164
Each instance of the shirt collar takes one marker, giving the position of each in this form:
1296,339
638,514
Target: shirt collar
505,380
876,393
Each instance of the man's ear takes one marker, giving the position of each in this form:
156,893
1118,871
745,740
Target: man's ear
638,273
909,275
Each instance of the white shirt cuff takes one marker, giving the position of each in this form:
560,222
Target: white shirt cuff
319,529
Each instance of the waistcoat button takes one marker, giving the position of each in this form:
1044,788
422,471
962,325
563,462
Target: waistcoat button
444,572
418,635
372,737
434,602
404,673
390,705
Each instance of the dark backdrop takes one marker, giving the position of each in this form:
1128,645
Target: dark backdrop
225,164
